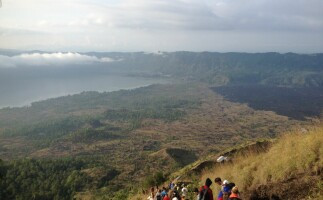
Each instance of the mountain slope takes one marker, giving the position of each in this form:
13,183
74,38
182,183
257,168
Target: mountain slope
290,169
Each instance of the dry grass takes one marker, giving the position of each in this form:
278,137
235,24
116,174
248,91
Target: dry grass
291,155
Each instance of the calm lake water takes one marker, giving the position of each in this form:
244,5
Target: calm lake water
17,92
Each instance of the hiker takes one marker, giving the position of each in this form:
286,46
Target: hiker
176,196
152,192
171,186
197,194
205,191
219,182
225,189
158,195
184,191
235,195
164,192
167,196
229,188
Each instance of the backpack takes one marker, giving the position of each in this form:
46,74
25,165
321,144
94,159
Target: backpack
204,195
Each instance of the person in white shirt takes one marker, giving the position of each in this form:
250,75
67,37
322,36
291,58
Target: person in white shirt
184,191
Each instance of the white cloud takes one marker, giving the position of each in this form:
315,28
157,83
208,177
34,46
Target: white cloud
207,15
167,14
149,25
49,59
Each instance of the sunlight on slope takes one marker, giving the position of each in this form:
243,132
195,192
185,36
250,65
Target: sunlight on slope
292,155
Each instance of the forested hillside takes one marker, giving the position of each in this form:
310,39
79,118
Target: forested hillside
120,135
288,69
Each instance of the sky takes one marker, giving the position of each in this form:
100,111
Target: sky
162,25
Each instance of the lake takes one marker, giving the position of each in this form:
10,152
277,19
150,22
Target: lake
16,92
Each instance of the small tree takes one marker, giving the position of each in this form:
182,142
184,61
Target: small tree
155,179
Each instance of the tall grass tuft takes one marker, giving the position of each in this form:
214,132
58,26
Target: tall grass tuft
292,154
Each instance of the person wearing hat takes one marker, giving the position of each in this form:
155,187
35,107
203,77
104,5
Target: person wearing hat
225,190
205,191
184,190
235,194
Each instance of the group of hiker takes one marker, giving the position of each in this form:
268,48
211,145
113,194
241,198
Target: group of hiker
228,191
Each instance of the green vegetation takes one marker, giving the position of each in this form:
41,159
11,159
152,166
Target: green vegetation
42,179
54,178
135,115
49,129
62,120
155,179
106,132
242,68
276,69
88,135
88,104
121,136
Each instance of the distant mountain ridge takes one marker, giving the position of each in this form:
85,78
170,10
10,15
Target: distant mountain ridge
288,69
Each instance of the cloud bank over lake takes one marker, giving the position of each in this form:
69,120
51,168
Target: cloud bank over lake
49,59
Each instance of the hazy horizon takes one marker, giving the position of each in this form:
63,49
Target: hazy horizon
20,51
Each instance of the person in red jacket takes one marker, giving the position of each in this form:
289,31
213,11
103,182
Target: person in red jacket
166,197
205,191
235,195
